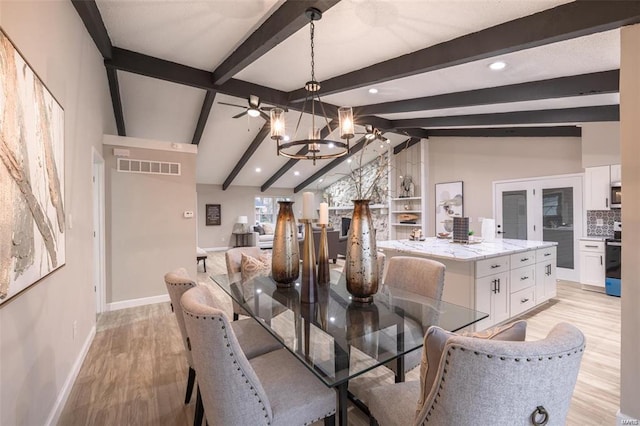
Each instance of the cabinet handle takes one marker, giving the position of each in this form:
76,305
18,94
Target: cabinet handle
524,278
601,260
495,266
547,254
495,286
524,300
606,202
498,285
524,259
548,270
590,246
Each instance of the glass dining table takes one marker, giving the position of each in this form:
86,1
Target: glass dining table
339,339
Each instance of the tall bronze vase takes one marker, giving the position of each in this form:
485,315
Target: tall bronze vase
361,271
285,264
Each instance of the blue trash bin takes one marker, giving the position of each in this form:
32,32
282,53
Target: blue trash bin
612,286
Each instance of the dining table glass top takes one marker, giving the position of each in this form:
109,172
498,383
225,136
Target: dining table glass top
338,338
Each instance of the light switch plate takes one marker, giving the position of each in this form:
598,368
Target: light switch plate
188,214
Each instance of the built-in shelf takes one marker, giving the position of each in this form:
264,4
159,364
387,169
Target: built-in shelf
406,198
407,211
371,206
406,224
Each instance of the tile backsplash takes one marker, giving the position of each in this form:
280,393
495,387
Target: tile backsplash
607,216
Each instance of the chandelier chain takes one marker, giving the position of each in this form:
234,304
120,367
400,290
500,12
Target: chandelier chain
313,74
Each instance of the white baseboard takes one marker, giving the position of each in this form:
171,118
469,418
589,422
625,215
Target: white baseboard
61,401
123,304
216,248
622,420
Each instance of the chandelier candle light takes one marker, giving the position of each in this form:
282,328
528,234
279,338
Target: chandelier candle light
313,147
308,292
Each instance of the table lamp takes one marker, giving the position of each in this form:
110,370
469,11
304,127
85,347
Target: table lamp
241,225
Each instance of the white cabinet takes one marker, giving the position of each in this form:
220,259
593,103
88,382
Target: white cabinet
592,268
616,173
546,286
597,187
492,290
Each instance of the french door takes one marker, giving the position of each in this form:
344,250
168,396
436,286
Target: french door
543,209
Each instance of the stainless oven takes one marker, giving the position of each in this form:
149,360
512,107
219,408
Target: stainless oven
616,195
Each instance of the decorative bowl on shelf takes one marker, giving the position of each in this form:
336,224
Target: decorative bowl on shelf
443,235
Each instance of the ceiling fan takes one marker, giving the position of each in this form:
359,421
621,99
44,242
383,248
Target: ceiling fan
371,133
253,109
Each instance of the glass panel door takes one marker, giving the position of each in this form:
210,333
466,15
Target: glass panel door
557,223
514,214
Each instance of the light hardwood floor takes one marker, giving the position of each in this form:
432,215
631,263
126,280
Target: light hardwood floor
135,372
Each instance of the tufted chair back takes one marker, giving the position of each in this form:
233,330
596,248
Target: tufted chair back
416,275
492,382
230,388
178,282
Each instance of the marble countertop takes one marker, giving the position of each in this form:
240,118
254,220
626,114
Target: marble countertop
445,249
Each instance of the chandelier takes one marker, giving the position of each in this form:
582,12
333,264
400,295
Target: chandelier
316,147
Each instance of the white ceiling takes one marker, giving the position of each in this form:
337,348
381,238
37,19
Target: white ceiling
351,35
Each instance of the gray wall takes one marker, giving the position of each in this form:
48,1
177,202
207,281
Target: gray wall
37,346
480,161
147,234
235,201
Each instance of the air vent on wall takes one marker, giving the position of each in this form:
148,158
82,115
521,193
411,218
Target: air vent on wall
129,165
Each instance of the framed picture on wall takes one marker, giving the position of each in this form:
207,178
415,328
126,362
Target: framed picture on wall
32,228
449,204
212,215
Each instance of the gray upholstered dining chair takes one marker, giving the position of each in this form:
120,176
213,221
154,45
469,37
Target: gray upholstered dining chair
471,381
254,339
420,276
270,389
233,259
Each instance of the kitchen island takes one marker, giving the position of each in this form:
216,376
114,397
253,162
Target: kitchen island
504,278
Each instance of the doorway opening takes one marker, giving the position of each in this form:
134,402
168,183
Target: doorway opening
99,275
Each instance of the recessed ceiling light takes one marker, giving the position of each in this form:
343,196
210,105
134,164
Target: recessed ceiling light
331,145
296,173
286,138
373,90
320,180
348,160
497,66
381,146
258,169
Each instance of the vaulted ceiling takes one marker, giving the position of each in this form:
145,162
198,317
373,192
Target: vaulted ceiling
172,64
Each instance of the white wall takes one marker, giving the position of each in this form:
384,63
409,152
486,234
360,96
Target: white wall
147,233
480,161
600,144
37,348
235,201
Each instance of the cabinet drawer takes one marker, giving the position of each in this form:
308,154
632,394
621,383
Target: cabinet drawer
522,300
523,259
545,254
597,246
522,278
492,266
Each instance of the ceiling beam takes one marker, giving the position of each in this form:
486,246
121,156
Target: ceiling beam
567,115
335,163
204,116
324,132
567,21
255,144
571,131
405,145
576,85
282,24
114,89
90,15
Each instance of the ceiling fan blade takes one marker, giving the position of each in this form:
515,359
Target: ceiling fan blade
239,115
233,105
264,115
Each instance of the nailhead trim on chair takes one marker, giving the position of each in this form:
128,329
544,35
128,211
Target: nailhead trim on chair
502,358
266,415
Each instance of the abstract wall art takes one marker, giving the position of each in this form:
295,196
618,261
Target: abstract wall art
32,218
449,204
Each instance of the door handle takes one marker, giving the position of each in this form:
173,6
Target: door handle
499,232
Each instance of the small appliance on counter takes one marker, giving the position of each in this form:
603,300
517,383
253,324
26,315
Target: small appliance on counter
613,259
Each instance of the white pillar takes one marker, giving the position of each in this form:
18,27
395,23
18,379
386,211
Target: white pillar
630,155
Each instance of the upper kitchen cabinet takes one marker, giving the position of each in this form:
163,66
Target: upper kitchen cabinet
597,186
